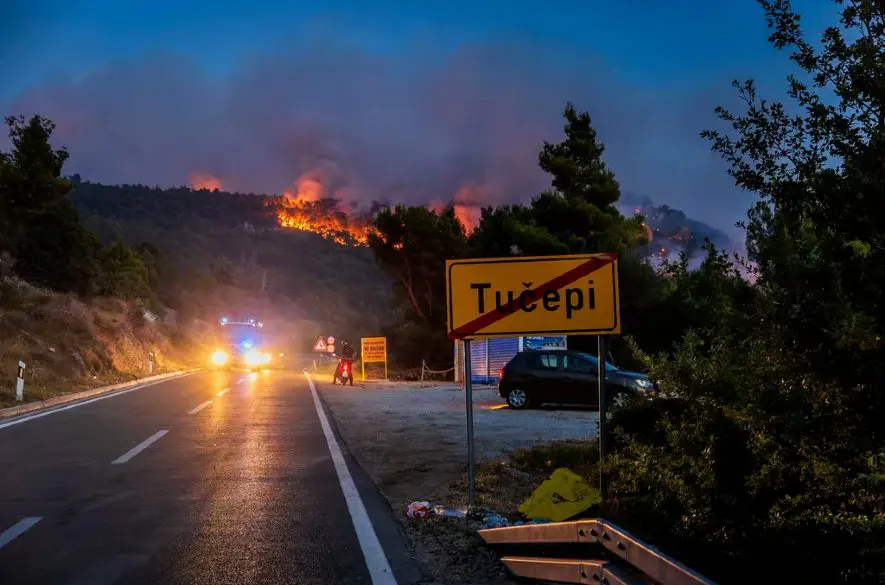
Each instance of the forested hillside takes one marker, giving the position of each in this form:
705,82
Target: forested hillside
224,252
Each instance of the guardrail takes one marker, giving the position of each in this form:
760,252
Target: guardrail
630,562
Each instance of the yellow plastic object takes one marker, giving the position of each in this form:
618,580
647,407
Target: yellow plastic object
564,495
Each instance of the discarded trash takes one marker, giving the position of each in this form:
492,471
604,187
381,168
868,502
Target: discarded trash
492,520
449,512
562,496
418,510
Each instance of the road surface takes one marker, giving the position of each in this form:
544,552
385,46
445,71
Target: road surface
215,477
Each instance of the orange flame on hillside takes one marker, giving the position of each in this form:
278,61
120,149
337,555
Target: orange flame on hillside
202,181
324,218
308,206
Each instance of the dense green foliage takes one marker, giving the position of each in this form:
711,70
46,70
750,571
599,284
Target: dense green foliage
769,449
411,244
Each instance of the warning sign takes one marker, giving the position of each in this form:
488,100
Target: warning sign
502,297
320,345
373,350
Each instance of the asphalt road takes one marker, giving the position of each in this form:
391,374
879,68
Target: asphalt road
241,489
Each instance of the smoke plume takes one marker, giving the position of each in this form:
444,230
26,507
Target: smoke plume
463,127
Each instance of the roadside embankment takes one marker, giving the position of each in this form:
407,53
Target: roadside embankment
69,345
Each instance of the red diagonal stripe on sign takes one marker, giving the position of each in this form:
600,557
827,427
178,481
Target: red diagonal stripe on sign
495,315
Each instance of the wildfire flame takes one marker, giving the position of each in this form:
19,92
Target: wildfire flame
203,181
324,218
308,206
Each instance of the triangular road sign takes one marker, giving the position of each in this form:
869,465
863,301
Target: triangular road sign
320,345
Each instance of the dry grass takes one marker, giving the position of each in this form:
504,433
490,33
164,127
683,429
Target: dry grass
68,345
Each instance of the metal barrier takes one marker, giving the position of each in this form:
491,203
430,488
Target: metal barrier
426,370
631,555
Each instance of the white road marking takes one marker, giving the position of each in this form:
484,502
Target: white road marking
139,448
376,560
111,394
223,392
17,530
242,380
201,407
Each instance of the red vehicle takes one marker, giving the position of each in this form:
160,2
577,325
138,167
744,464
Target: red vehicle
344,372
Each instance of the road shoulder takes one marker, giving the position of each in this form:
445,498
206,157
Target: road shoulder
43,406
411,441
405,567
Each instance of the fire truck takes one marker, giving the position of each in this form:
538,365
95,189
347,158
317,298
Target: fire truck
242,344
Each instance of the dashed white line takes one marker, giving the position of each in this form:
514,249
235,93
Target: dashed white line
17,530
200,407
139,448
111,394
376,560
223,392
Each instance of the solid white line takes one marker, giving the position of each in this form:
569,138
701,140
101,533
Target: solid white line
376,560
201,407
223,392
139,448
17,530
111,394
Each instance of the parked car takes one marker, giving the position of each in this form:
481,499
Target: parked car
537,377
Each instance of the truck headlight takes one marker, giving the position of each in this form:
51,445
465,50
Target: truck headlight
254,358
644,384
219,358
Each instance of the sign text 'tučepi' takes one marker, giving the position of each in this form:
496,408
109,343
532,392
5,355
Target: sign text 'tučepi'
500,297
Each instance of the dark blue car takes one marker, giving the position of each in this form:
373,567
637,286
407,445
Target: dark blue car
537,377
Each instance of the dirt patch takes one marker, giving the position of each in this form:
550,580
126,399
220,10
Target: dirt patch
412,442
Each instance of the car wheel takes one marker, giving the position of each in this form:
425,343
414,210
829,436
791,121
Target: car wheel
517,398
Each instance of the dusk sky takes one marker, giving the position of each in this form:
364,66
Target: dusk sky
389,100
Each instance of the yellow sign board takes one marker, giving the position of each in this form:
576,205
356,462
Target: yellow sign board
373,349
531,295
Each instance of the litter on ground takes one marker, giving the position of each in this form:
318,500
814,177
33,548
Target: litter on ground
418,510
564,495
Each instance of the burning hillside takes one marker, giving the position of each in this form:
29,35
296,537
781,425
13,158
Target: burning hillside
322,217
310,206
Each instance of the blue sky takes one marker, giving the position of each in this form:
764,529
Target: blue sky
646,70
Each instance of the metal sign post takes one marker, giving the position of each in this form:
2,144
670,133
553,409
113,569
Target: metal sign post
20,382
531,296
603,398
150,363
468,386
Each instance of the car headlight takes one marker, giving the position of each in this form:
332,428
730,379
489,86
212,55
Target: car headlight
219,358
265,359
644,384
254,358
